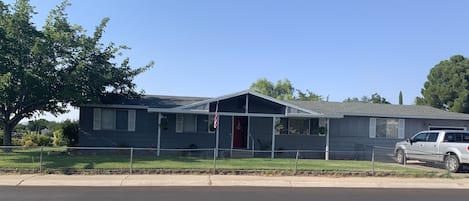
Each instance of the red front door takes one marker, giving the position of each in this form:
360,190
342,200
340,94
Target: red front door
240,132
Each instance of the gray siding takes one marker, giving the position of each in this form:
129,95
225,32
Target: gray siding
145,134
261,132
352,134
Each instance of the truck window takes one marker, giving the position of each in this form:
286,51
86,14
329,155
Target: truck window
465,137
449,137
422,137
456,137
431,137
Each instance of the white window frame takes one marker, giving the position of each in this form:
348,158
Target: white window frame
448,127
400,128
98,119
180,123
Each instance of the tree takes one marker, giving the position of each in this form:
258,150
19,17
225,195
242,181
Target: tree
70,130
283,90
308,96
401,101
375,98
45,70
447,85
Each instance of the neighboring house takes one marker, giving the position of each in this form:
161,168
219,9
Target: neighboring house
250,120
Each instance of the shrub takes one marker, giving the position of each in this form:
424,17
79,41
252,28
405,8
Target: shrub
59,139
70,131
34,139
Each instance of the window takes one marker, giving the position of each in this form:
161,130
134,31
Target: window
457,137
297,126
387,128
422,137
186,123
192,123
113,119
425,137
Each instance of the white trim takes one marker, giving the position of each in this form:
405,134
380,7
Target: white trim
179,111
401,129
247,92
232,135
158,144
327,140
131,120
96,118
372,128
249,134
115,106
438,117
273,138
448,127
247,104
179,123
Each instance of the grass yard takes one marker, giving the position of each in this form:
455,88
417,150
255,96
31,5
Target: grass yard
59,158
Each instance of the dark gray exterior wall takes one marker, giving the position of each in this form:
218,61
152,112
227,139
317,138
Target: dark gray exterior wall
352,133
172,140
260,129
145,134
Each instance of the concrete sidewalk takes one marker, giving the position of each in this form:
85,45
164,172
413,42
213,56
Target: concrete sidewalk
230,180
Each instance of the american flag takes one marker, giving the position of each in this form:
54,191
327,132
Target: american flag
215,119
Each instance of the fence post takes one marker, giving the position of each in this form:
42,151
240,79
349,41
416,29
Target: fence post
40,159
215,152
373,161
131,159
296,161
405,158
449,173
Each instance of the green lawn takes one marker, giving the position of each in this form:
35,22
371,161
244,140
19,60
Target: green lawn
59,158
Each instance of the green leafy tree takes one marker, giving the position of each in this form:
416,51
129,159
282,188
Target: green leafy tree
308,96
45,70
375,98
447,85
283,90
70,131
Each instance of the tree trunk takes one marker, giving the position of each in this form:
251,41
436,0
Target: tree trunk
7,134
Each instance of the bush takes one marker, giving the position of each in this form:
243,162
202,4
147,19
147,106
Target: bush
70,131
59,139
34,139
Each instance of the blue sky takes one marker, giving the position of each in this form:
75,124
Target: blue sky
334,48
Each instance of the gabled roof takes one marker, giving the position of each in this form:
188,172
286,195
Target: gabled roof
380,110
326,109
250,92
157,101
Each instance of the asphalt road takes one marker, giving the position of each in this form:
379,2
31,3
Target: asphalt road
225,194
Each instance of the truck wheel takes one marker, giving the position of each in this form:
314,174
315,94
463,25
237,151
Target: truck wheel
452,163
400,156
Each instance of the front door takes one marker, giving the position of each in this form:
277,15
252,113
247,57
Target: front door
240,132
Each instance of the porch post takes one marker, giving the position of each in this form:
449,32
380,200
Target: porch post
158,144
327,140
217,136
273,138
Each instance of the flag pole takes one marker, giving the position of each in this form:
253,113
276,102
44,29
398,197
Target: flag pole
217,130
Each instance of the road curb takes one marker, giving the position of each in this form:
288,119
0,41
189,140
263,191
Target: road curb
231,180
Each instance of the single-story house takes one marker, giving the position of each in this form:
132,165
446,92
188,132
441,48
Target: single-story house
249,120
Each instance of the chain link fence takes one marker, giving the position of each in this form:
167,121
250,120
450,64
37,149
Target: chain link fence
367,161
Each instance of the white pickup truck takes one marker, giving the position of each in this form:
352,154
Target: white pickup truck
448,146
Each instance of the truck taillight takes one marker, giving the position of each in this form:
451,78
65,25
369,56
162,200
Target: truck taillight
467,148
